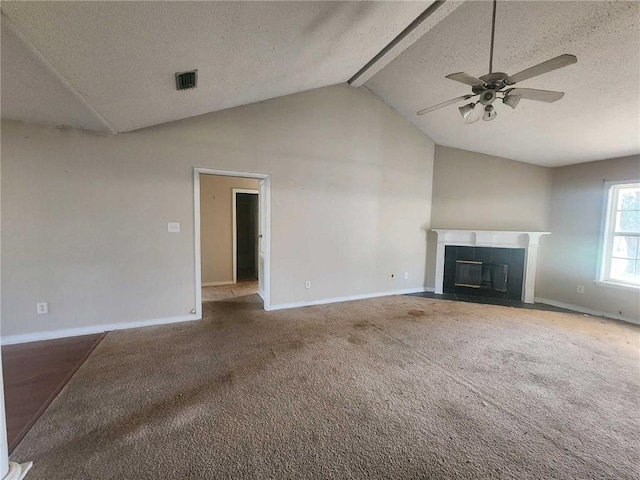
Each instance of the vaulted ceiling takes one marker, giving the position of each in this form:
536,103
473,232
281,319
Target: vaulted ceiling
599,116
119,58
109,66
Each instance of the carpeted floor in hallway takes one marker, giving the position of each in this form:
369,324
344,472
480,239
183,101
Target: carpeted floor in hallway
228,292
395,388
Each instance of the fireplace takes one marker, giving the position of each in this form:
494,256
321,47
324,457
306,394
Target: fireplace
484,271
499,264
468,274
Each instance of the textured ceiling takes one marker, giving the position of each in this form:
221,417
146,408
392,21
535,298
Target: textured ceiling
108,66
598,118
32,92
120,57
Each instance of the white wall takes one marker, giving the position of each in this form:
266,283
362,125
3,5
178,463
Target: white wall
4,448
477,191
216,225
84,224
570,257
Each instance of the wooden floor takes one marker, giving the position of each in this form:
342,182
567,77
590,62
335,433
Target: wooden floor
34,373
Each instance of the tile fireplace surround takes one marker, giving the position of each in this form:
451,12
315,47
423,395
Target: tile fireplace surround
492,238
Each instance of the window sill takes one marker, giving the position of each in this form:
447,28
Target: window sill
620,286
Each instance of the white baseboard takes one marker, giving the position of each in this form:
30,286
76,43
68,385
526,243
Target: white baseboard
364,296
218,284
75,332
588,311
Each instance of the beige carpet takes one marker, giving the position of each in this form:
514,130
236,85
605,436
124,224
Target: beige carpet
396,387
227,292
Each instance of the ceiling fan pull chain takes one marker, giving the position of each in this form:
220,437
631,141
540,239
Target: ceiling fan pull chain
493,32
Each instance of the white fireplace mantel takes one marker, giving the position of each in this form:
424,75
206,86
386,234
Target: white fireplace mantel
492,238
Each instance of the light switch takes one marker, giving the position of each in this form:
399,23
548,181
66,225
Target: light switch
174,227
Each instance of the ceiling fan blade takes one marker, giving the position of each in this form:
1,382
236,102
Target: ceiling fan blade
544,67
548,96
465,78
444,104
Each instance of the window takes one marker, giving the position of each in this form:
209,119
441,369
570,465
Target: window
621,249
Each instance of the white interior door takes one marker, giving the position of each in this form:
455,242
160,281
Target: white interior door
261,230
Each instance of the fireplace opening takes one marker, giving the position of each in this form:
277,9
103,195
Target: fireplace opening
468,274
484,271
474,274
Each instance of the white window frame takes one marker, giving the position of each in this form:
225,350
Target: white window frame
611,192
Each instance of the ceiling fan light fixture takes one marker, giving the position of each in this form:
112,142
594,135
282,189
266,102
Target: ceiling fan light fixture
489,113
487,97
511,100
466,110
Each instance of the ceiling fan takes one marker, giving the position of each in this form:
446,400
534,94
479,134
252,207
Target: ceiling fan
490,86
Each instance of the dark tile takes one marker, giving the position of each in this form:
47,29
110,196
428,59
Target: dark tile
478,299
449,281
466,291
514,289
514,294
500,301
493,301
450,252
516,269
488,293
501,255
517,256
426,295
449,266
465,253
482,254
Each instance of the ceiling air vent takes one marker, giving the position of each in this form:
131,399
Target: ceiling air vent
187,80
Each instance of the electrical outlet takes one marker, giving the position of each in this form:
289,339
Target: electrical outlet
406,275
307,284
42,307
580,289
173,227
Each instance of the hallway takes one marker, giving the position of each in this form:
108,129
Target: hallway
226,292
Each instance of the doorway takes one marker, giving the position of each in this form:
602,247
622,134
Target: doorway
248,233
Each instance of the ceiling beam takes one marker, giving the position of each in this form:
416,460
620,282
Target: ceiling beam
428,19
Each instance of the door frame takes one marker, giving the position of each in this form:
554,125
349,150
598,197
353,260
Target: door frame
265,217
234,227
